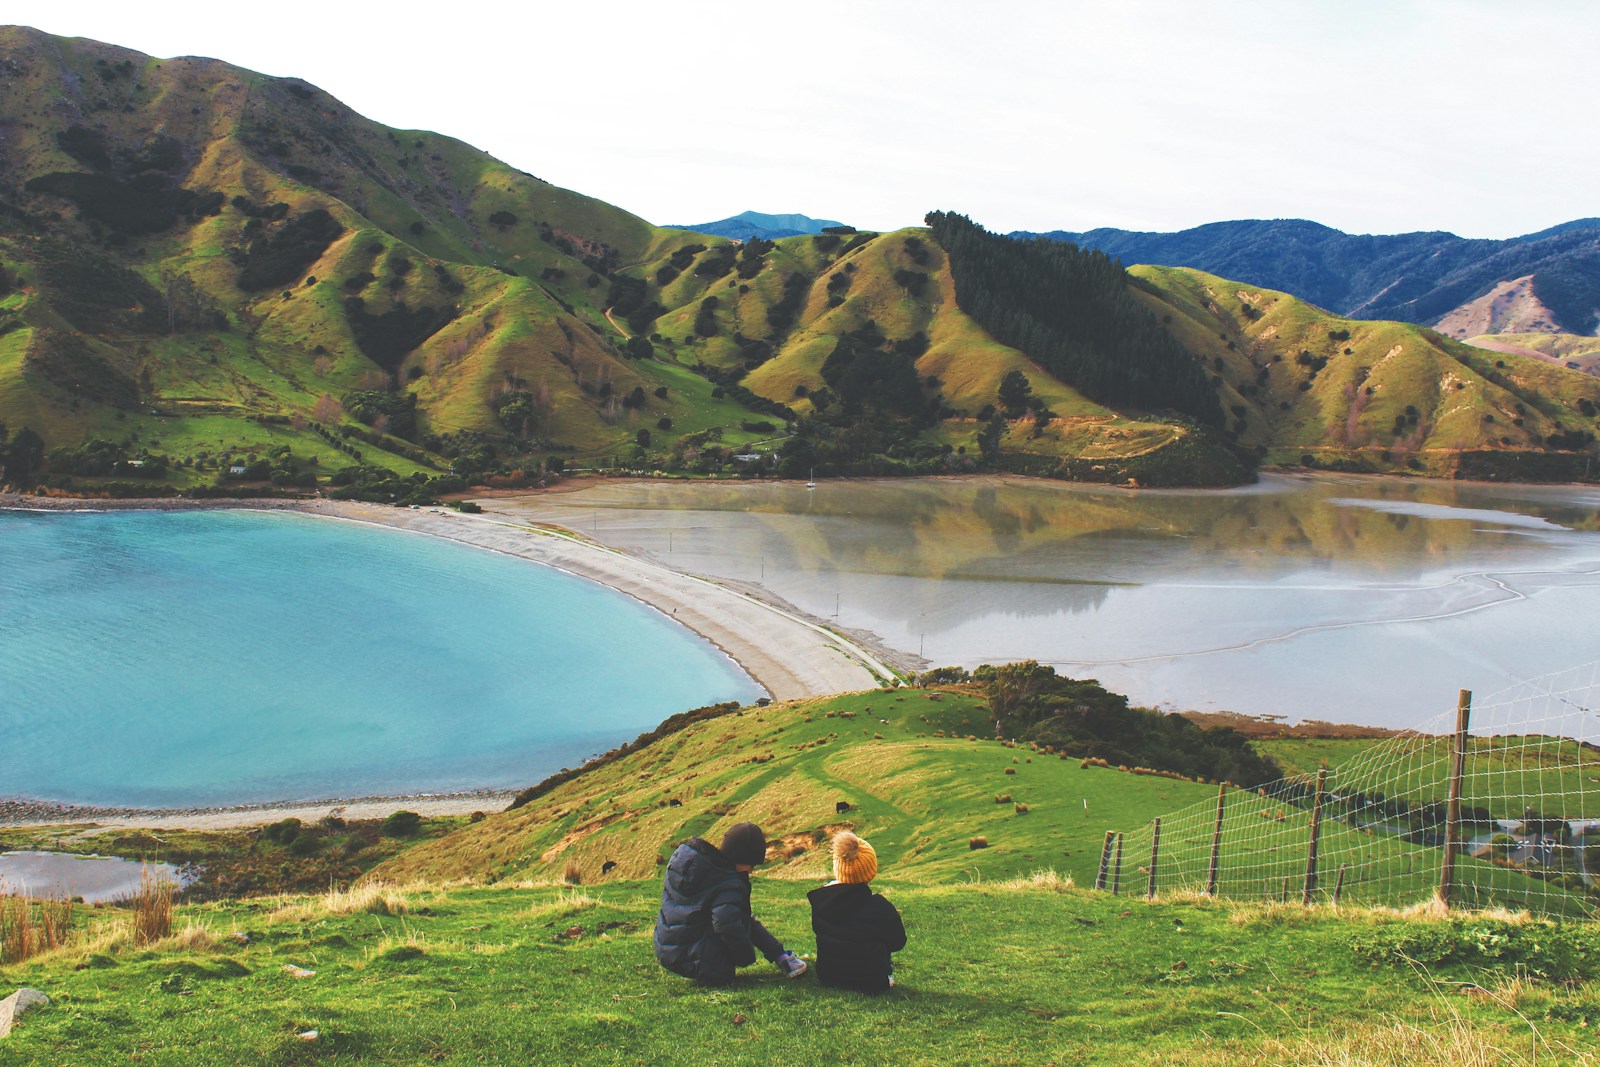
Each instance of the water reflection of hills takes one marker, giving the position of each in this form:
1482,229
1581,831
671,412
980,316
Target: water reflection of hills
1352,599
1042,531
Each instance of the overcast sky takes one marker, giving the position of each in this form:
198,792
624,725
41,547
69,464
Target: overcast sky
1376,117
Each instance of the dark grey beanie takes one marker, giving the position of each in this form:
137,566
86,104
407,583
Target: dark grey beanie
745,843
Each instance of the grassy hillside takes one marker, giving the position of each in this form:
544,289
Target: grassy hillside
186,240
200,264
1573,351
483,955
994,973
920,798
1306,387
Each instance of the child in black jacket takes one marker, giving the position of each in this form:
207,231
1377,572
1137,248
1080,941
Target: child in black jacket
856,928
705,930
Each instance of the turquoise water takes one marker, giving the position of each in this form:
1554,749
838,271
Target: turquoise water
200,658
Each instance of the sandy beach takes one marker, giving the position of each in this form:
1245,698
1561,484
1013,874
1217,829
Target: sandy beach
789,655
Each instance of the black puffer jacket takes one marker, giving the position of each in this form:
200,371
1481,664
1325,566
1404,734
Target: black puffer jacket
856,930
703,931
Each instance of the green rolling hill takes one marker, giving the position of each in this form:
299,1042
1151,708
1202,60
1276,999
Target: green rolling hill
200,265
510,938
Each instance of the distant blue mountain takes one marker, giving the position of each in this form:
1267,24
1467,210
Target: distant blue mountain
748,224
1413,277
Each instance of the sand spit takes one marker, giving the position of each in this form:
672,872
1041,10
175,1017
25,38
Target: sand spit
49,813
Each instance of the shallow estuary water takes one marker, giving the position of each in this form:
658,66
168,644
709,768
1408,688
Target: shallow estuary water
1353,599
94,879
180,659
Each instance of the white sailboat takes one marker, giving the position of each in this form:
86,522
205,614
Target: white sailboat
811,482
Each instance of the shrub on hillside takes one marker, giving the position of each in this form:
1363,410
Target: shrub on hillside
1083,719
401,824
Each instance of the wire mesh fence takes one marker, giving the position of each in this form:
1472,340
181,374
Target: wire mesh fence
1494,804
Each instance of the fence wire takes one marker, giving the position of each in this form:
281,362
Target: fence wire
1529,825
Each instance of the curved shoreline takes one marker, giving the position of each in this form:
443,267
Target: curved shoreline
789,655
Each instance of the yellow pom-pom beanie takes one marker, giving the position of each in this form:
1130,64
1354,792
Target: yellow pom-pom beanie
853,859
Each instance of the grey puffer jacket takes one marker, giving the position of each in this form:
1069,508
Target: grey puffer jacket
703,930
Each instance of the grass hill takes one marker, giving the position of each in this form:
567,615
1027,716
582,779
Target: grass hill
1563,349
1306,387
484,953
203,261
202,267
1412,277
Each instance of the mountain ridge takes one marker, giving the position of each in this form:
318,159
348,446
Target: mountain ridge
1412,277
204,268
749,224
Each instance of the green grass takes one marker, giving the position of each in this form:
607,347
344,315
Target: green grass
917,797
482,956
991,975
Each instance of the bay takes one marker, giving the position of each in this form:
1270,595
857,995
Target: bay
176,659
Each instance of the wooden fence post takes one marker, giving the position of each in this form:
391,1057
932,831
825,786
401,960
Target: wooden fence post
1155,856
1116,868
1216,840
1338,886
1105,860
1452,817
1310,889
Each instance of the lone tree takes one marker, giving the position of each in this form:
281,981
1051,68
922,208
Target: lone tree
1015,390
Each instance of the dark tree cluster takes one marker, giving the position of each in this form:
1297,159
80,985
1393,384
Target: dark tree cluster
399,410
912,281
717,262
1072,312
1082,718
21,454
146,203
781,316
629,297
868,377
138,195
97,458
383,486
386,338
705,320
728,385
516,411
283,257
752,257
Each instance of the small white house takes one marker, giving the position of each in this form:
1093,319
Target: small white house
236,469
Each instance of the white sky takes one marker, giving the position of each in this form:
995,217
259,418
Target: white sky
1374,116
